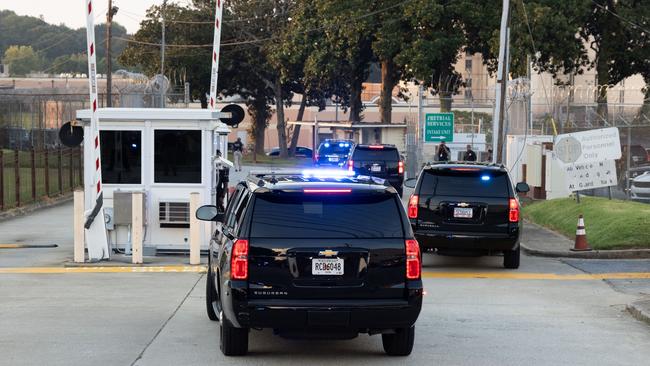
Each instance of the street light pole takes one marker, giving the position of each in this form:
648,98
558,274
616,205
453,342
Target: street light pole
112,10
162,58
502,79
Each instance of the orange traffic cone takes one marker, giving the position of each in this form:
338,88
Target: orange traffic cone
581,244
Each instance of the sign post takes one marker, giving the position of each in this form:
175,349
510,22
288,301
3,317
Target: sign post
439,127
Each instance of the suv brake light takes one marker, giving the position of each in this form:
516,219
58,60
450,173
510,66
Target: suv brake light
414,201
400,167
413,265
350,164
513,215
375,146
239,260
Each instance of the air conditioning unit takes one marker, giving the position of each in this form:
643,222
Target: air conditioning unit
174,214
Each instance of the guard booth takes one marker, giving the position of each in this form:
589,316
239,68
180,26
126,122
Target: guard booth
165,153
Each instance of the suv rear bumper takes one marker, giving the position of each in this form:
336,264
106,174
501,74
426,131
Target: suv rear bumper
467,241
356,315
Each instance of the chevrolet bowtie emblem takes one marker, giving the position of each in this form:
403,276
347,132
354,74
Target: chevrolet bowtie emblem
328,253
463,204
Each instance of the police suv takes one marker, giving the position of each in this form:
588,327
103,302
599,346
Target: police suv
313,255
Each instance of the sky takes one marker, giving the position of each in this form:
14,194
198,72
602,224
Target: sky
71,12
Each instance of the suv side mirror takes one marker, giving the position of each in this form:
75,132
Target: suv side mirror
522,187
411,182
209,213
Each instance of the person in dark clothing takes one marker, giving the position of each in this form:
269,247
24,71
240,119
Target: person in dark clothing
238,152
469,155
443,152
222,185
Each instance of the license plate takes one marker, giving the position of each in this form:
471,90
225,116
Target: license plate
327,266
334,159
463,213
375,168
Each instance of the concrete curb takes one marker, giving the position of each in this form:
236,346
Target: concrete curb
594,254
640,310
21,211
126,264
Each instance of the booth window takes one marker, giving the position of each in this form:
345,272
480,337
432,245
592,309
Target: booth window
121,157
177,156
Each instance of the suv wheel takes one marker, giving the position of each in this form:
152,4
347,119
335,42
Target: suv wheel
211,298
511,258
234,341
400,343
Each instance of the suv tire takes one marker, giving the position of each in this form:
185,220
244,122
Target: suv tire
400,343
211,297
233,341
511,258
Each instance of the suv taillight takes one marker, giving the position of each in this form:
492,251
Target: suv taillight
239,260
413,265
400,167
414,201
513,215
350,164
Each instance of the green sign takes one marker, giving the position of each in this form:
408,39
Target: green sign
439,127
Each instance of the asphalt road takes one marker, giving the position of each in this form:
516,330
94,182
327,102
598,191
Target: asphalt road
159,319
475,313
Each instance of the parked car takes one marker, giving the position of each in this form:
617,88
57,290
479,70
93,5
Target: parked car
301,152
467,208
333,152
640,187
310,261
379,160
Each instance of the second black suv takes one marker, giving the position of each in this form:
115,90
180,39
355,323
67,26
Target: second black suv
382,161
460,208
313,257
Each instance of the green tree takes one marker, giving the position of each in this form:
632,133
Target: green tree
21,60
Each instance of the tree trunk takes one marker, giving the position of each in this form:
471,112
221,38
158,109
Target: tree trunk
260,127
296,129
445,94
260,113
602,87
388,82
279,114
644,112
204,100
356,87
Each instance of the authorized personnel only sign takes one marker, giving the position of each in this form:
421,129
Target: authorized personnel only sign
588,146
581,176
439,127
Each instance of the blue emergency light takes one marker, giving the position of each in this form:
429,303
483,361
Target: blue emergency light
485,178
327,173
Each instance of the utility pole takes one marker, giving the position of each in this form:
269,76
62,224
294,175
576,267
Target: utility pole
162,58
112,10
502,80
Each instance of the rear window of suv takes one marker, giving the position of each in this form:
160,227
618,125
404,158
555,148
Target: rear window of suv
326,216
385,154
479,183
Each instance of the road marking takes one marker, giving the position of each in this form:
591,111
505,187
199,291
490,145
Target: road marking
22,245
98,269
538,276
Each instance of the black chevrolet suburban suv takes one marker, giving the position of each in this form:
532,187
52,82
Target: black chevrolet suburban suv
467,208
313,257
379,160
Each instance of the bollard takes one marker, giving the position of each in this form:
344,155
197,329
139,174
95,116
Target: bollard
136,228
195,230
78,226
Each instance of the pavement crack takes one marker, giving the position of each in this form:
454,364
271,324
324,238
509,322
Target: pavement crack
166,322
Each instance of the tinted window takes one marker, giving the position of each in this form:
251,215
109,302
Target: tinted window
177,156
318,216
334,148
449,182
385,154
121,157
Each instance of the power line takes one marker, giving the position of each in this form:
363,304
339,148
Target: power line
634,25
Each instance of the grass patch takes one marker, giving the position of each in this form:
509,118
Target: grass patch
275,161
611,224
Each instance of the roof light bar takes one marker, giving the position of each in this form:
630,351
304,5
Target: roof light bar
327,173
327,190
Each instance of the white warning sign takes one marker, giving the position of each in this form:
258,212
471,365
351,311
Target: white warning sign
580,176
588,146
